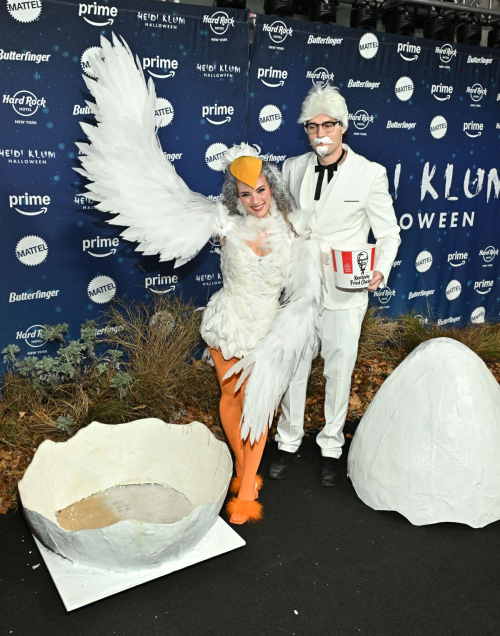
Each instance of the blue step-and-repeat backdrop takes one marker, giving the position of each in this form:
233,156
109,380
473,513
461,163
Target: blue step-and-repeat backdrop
428,111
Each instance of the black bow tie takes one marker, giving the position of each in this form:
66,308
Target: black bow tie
321,169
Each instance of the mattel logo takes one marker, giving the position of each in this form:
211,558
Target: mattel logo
453,290
214,154
404,88
368,46
101,289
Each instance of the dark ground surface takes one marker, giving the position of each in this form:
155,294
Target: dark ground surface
321,563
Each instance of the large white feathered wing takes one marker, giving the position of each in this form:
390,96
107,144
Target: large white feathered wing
129,174
272,364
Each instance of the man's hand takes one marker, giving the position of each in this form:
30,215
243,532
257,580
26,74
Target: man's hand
375,281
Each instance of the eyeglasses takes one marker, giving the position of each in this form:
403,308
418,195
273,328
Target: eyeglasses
327,126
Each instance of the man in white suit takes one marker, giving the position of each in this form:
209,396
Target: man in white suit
339,197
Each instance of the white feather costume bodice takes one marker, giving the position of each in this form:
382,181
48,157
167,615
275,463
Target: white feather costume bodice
239,315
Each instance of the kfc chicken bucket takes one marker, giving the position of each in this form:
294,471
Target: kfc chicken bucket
353,264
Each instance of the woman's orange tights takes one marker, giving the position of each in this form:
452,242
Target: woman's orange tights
247,456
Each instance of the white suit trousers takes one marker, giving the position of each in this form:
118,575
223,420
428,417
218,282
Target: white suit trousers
339,333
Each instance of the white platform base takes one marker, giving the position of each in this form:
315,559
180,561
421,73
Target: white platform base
79,585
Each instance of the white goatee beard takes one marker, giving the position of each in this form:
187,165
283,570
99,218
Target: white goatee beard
321,150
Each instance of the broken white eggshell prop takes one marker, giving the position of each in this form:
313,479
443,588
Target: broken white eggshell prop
353,264
189,466
428,446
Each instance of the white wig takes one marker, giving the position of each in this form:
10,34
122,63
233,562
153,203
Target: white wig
324,101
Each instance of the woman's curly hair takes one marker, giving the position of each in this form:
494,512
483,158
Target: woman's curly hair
279,190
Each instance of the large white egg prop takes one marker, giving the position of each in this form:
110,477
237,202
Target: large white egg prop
429,444
129,496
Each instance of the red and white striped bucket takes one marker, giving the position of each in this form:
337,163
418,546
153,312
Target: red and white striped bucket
353,264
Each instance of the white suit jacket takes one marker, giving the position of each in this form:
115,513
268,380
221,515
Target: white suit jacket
357,200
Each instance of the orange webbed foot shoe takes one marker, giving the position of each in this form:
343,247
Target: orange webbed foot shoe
242,510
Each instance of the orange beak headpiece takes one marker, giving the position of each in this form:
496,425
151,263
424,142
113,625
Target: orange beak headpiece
246,169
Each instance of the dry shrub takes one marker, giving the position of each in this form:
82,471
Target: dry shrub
483,339
378,337
201,388
158,339
391,340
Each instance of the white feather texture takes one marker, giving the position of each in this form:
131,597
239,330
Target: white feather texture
238,150
239,315
272,363
324,101
129,174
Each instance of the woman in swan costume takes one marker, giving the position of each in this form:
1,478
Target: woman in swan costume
248,331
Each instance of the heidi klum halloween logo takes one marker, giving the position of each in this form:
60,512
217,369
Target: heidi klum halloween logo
161,20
